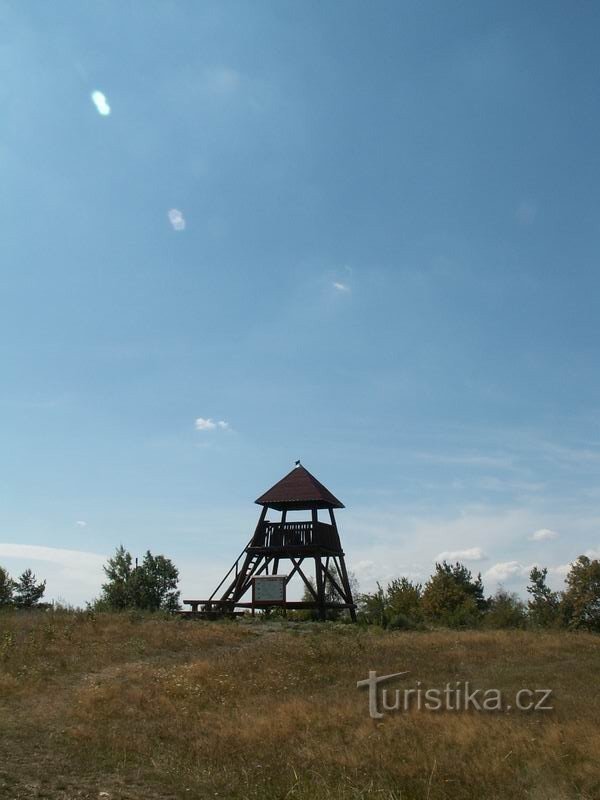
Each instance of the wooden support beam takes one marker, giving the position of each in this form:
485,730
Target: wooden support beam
336,586
344,573
320,588
298,569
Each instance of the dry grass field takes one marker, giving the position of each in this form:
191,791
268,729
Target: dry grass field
131,707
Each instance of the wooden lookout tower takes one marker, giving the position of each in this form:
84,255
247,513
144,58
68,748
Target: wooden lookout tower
278,550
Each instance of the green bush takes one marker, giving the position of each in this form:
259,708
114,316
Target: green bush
580,607
151,586
505,610
544,606
452,597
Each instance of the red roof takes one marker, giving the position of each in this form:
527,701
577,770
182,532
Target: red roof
299,489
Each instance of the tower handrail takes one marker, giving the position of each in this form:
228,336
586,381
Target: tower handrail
233,566
300,533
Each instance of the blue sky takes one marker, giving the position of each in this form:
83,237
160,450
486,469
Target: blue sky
365,235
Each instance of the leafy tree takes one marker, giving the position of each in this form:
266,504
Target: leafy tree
404,606
544,604
117,593
505,610
581,601
396,606
373,608
152,586
156,584
453,597
6,588
28,593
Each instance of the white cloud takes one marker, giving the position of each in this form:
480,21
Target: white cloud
405,539
505,570
81,523
561,570
208,424
176,219
470,554
74,575
593,552
54,554
365,570
543,535
101,103
341,287
205,424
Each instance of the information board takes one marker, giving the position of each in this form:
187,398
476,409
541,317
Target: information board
269,589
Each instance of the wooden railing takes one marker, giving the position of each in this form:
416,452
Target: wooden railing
296,535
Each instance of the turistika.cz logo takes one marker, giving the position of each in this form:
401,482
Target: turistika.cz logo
455,696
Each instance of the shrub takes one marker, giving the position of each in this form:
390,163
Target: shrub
404,600
28,593
152,586
398,606
7,586
372,608
544,604
453,597
581,601
402,622
505,610
22,593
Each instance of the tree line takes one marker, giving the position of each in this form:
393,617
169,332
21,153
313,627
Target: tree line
148,586
453,597
25,592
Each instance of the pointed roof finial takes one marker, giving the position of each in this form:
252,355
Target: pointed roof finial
297,463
